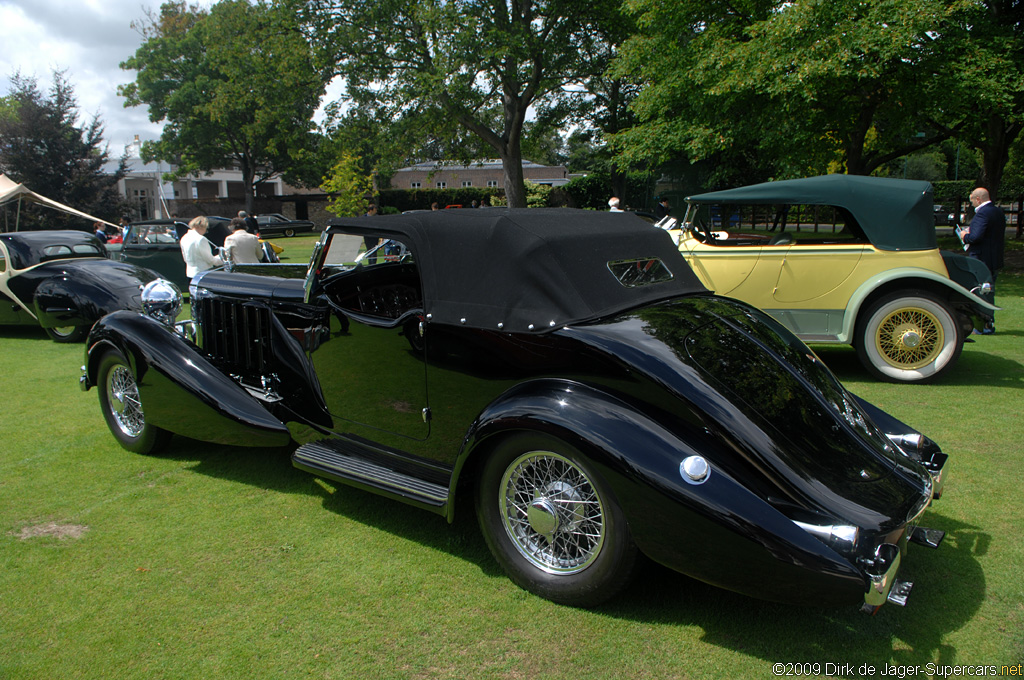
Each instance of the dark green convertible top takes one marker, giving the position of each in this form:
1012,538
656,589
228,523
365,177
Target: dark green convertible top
895,214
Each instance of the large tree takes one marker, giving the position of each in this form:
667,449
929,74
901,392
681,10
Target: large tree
481,64
43,146
237,84
807,86
987,50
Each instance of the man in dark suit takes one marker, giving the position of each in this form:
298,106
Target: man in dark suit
662,208
987,232
985,236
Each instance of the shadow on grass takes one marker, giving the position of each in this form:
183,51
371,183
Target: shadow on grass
975,367
949,583
271,468
23,332
949,589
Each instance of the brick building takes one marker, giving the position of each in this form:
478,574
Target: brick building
478,174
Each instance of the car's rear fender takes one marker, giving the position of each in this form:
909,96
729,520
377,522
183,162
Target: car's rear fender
716,531
60,301
181,391
910,278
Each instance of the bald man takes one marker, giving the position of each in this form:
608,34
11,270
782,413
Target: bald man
986,234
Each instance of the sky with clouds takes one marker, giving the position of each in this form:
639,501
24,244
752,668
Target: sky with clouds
87,39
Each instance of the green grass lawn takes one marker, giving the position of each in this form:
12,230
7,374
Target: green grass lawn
214,562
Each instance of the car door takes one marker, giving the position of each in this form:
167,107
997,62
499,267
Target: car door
11,311
812,271
721,266
728,253
155,246
372,368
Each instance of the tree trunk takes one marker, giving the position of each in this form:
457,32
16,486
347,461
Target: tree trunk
515,188
248,183
995,150
511,151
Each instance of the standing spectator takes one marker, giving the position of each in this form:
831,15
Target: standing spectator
986,234
435,206
197,250
101,231
613,204
474,204
251,225
662,209
125,225
985,237
241,247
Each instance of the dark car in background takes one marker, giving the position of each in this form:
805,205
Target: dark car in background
154,244
63,281
565,373
275,224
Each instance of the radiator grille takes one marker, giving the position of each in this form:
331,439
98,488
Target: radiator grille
236,333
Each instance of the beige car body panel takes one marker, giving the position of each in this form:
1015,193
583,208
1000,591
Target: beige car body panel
814,289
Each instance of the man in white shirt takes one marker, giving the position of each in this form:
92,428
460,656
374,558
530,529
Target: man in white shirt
241,247
197,250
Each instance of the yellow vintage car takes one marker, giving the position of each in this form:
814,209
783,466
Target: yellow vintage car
842,259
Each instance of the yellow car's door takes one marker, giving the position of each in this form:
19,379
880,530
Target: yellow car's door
810,272
726,265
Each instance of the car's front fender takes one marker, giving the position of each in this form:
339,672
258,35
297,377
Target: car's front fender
906,277
717,531
181,391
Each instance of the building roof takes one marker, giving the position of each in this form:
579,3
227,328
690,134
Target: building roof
486,164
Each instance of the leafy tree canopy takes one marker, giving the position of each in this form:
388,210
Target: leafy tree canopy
987,64
792,88
479,64
349,187
237,84
43,146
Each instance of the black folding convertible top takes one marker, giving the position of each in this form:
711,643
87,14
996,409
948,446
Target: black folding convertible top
895,214
533,269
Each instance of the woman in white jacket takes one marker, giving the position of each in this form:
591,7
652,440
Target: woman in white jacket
197,249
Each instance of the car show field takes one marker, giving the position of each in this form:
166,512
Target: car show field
217,561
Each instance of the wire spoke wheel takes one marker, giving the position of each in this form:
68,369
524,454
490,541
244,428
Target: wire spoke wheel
552,512
121,404
552,522
910,338
125,405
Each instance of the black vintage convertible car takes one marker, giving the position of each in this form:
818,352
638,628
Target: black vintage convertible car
564,369
154,244
63,281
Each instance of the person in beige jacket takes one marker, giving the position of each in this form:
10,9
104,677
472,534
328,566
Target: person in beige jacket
241,247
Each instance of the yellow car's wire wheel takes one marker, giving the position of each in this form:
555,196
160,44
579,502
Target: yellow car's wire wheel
910,338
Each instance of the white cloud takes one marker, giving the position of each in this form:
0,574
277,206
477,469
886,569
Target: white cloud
87,39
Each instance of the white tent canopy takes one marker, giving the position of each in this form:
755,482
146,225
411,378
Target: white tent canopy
11,191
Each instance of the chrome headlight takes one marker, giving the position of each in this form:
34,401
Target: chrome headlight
161,300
